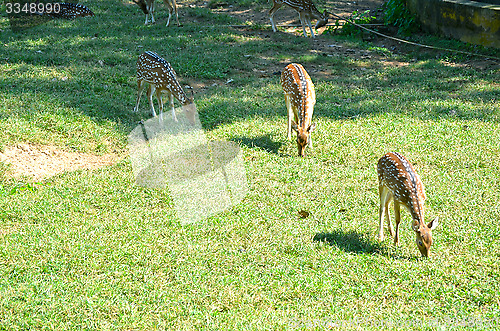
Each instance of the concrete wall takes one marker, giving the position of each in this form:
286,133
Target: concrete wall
469,21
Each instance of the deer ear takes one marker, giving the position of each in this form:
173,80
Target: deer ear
433,224
311,127
294,126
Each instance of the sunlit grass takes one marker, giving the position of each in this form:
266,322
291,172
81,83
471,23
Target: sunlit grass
92,250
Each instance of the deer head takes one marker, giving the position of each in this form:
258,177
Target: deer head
303,137
323,20
423,234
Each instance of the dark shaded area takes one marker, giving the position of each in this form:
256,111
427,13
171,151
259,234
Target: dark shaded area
350,241
263,142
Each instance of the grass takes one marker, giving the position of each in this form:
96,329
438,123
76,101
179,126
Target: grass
91,250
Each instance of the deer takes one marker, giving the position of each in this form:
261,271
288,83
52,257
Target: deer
156,73
307,11
148,7
300,99
398,181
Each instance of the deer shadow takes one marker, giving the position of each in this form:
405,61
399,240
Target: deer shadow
360,243
351,241
263,142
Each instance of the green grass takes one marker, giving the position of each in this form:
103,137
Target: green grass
91,250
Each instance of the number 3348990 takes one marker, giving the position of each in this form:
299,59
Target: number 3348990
32,8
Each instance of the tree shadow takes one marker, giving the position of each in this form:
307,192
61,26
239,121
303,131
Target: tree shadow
263,142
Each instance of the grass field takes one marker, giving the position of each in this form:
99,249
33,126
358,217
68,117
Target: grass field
92,250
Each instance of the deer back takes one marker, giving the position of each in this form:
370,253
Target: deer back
142,4
306,6
299,87
157,71
397,174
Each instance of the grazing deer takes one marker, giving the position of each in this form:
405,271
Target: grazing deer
159,75
300,99
148,7
398,181
307,11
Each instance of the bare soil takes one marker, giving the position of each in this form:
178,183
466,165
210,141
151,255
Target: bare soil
41,162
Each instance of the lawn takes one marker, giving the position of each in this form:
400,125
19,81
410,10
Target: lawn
90,249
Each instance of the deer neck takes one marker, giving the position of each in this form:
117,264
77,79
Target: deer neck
316,13
307,100
416,210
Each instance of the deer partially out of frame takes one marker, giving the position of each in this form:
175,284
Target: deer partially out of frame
398,181
160,77
300,99
148,7
307,11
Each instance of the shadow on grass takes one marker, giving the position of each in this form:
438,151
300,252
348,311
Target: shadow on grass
263,142
359,243
351,241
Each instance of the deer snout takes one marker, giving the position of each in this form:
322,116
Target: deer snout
424,242
321,23
424,251
301,144
302,151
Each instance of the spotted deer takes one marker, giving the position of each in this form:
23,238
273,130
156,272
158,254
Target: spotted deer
159,76
300,99
307,11
398,181
148,7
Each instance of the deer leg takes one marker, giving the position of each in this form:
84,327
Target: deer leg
308,21
397,216
388,217
310,28
290,115
151,12
140,88
176,13
149,93
170,9
303,20
383,193
168,19
160,101
172,108
148,9
273,10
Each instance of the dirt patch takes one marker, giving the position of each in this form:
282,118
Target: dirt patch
42,162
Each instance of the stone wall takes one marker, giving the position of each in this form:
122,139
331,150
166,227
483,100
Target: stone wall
469,21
